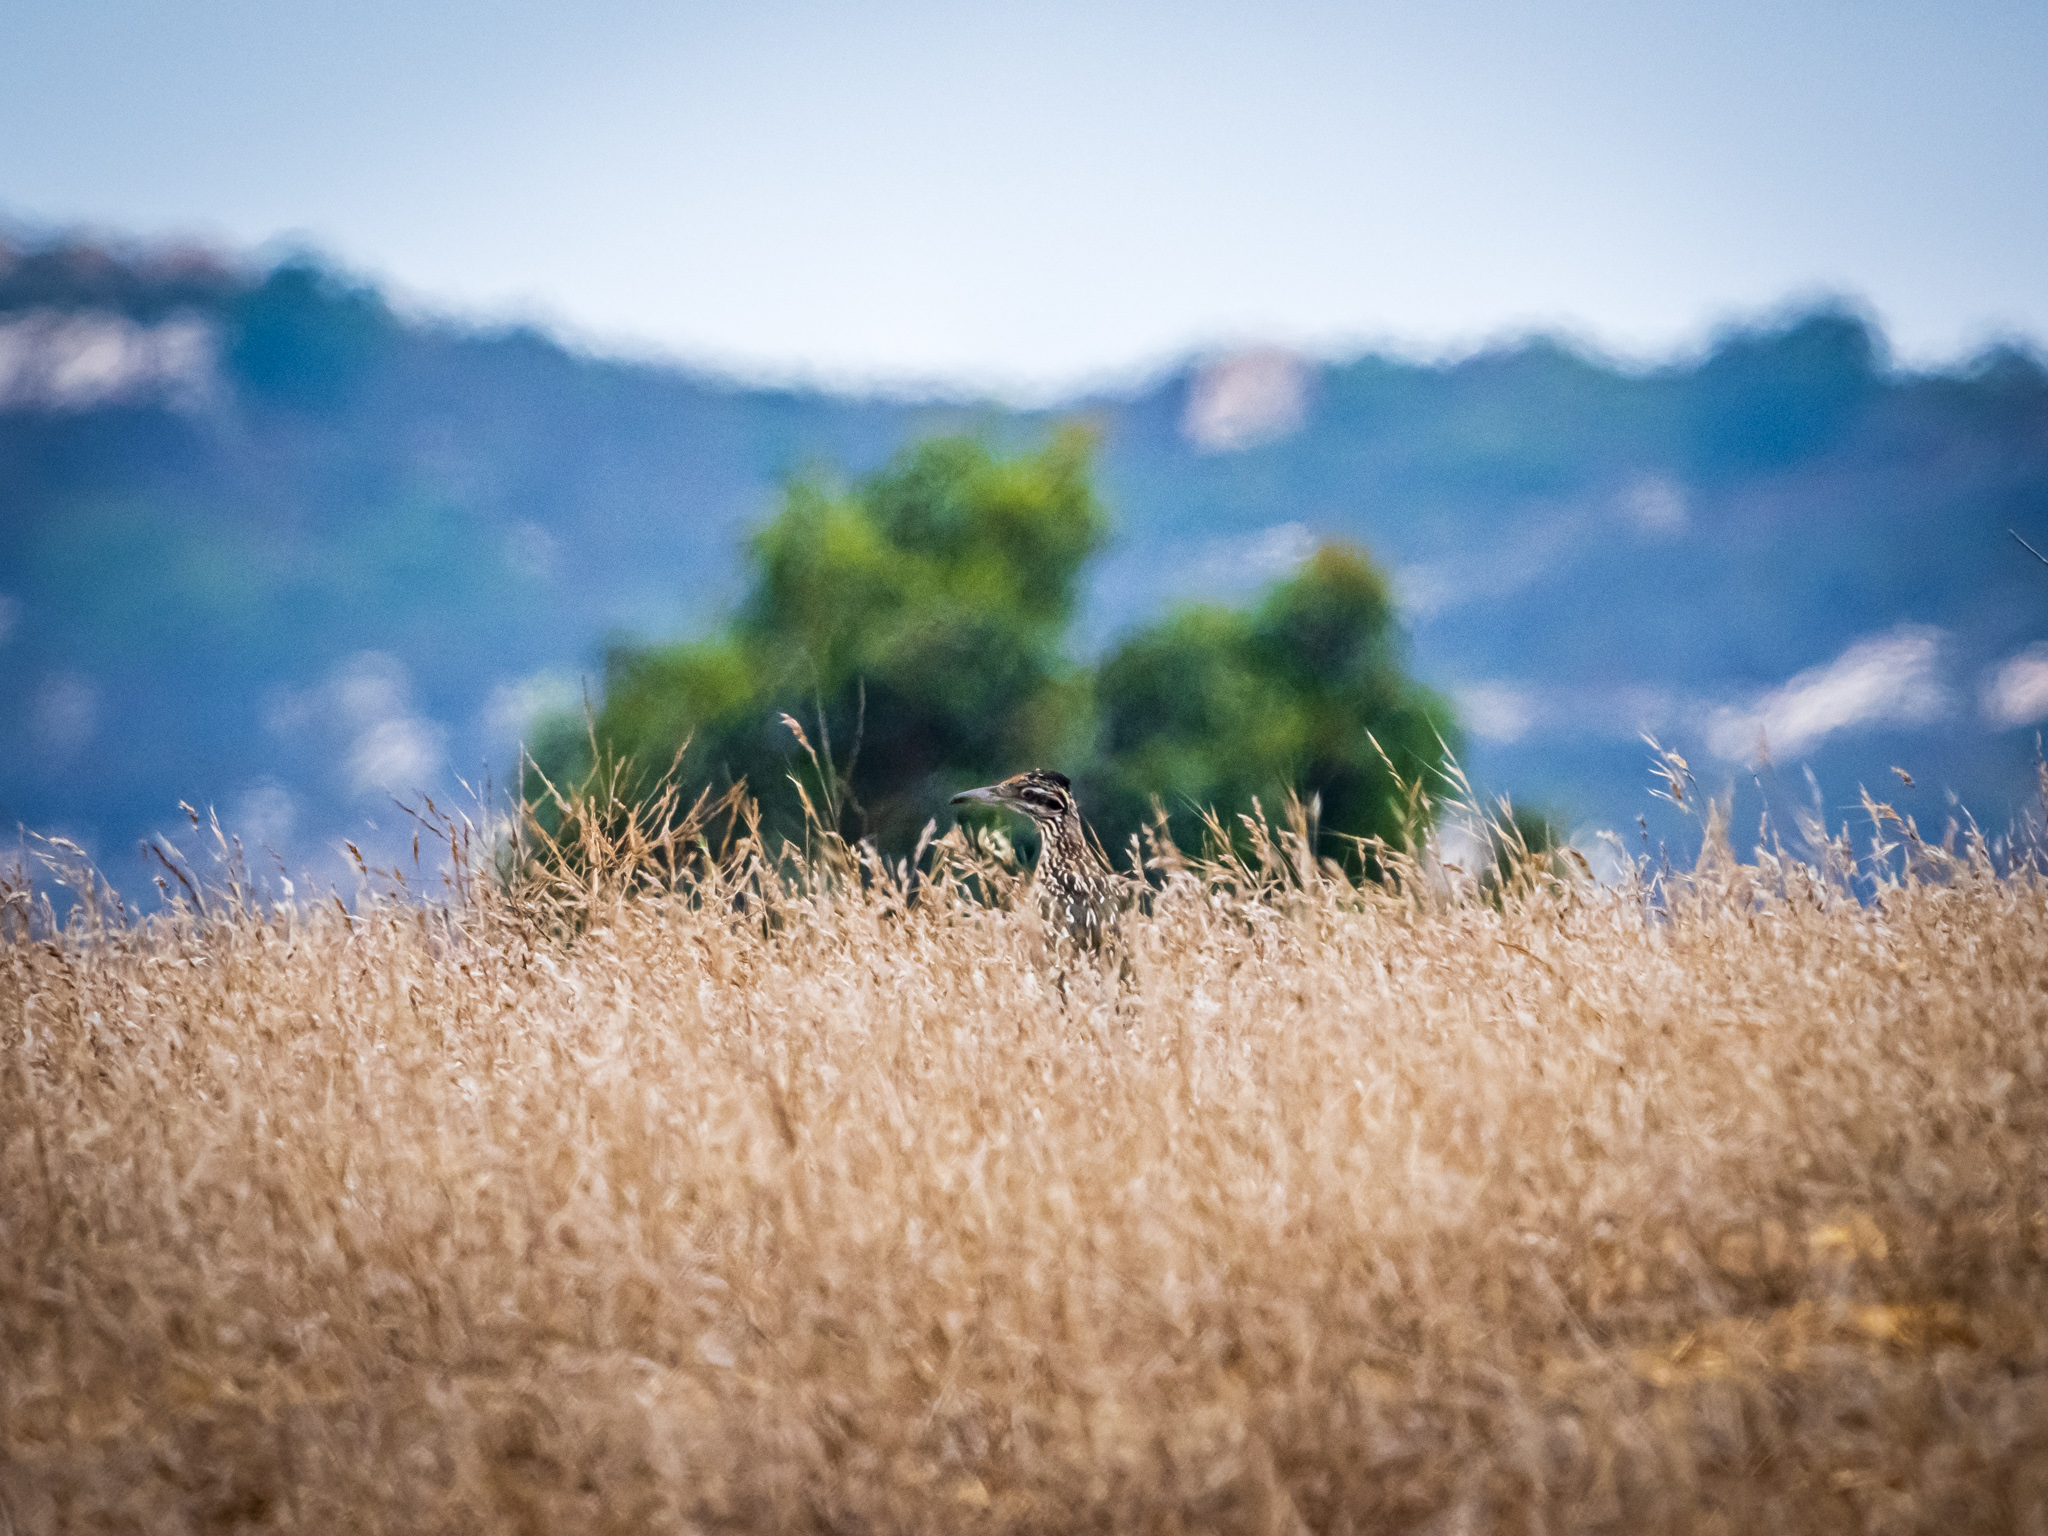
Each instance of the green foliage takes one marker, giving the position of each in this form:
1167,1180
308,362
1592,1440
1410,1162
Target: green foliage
1302,693
914,625
915,628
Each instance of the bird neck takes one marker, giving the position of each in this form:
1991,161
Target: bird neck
1065,844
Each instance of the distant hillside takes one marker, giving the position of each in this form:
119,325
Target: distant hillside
274,547
1784,539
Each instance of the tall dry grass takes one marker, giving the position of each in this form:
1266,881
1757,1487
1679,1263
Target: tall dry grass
669,1188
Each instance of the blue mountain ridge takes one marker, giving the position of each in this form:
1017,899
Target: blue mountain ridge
272,547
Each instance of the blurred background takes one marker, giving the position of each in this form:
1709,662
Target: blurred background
381,384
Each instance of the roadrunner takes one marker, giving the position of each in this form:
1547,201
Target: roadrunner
1077,891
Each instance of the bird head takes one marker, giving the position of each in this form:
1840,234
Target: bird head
1046,797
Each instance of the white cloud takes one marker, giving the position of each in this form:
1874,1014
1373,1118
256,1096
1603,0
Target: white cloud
1496,711
367,701
396,755
531,551
1228,565
78,360
1604,852
2017,691
1656,504
1629,712
1276,550
66,713
1505,711
1457,843
1888,679
288,711
512,707
1422,591
370,687
1537,542
264,815
1242,401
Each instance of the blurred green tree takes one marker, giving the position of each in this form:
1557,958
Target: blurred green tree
914,625
1213,706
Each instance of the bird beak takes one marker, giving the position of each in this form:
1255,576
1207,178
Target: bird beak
986,797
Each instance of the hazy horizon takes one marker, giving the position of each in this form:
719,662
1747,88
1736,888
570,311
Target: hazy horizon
1110,381
1029,204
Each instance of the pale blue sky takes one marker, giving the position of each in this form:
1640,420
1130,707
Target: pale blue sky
1031,196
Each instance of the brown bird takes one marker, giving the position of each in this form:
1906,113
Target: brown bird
1078,893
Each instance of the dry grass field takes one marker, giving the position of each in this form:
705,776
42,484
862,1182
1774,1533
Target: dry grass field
749,1201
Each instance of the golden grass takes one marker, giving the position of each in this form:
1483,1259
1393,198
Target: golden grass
785,1204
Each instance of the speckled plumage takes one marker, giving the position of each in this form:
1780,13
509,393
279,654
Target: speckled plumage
1078,894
